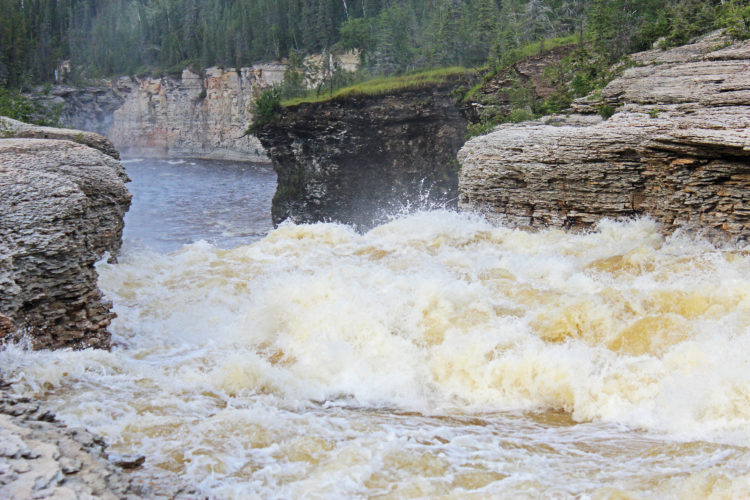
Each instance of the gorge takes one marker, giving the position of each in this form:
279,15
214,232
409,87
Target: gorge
435,354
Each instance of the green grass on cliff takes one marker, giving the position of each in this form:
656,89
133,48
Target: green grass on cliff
516,55
381,86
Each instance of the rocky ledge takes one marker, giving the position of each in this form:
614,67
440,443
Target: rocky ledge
10,128
678,149
355,159
61,210
42,458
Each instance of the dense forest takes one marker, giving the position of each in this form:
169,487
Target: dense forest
393,36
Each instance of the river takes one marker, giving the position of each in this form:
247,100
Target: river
435,356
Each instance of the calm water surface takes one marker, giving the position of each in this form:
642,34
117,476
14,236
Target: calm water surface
176,202
436,356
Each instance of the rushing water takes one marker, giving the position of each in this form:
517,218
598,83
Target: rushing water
436,356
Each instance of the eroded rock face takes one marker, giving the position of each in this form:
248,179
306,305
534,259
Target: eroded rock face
88,108
199,116
61,209
357,159
678,150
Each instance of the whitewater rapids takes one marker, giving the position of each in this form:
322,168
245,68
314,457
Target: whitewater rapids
437,355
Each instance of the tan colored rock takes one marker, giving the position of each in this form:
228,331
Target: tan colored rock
6,327
192,116
679,150
61,210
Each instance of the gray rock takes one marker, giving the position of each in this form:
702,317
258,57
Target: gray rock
61,209
353,160
679,150
10,128
88,108
45,459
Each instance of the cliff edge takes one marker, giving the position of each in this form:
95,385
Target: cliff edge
677,149
61,210
354,160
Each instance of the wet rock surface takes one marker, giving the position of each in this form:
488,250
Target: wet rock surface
61,210
677,150
42,458
354,160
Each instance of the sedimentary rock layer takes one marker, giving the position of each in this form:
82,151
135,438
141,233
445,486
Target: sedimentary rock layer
42,458
678,150
61,209
354,160
202,116
88,108
10,128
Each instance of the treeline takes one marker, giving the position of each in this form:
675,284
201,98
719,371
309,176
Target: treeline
393,36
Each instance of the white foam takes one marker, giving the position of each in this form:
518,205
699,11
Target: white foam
436,312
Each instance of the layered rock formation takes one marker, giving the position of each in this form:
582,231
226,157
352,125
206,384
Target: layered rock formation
199,116
61,210
42,458
678,150
88,108
10,128
355,160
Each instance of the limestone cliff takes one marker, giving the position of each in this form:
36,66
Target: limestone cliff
678,150
355,159
200,116
61,209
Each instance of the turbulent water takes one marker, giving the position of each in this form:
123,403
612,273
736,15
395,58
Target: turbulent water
436,356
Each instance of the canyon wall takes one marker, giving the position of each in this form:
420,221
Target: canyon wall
62,205
678,149
199,116
192,114
89,108
358,159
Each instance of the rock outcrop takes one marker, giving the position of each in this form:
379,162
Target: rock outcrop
42,458
10,128
355,159
677,150
199,116
61,210
89,108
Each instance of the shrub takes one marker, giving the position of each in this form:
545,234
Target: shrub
267,106
520,115
15,105
606,111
